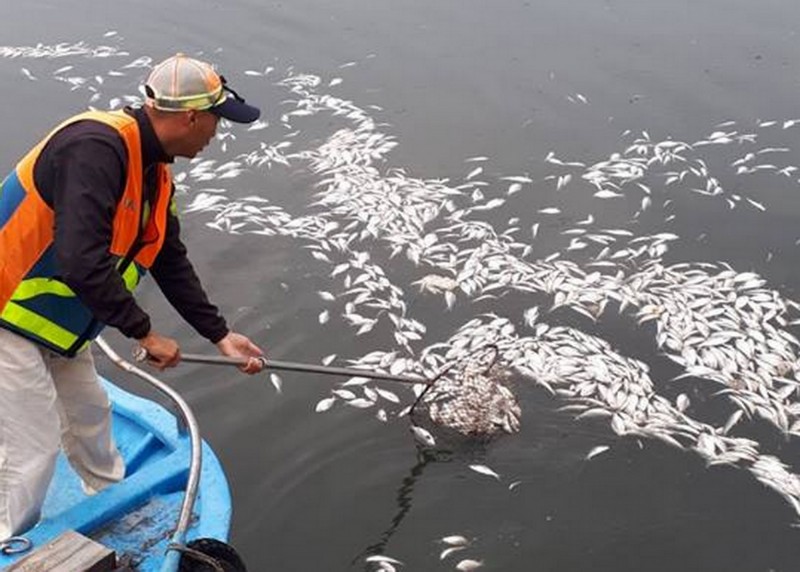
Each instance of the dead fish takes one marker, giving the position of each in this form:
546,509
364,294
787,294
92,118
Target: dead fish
423,436
455,540
596,451
385,563
708,319
474,173
324,404
277,382
484,470
448,551
382,558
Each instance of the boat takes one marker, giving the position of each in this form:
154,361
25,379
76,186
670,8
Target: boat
172,509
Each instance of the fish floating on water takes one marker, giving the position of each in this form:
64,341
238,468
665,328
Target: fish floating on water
724,327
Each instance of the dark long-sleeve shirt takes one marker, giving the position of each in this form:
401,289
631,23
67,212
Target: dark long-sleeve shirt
81,175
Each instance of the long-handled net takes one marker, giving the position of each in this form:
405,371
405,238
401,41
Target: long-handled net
471,396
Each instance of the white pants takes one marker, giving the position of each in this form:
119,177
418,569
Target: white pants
45,401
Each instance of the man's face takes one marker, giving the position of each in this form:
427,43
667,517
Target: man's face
200,128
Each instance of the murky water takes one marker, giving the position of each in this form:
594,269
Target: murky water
603,181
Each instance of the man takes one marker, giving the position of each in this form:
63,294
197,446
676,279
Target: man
82,217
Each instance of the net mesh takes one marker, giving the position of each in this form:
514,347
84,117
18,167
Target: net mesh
472,398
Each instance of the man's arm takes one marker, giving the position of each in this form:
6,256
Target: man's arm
178,281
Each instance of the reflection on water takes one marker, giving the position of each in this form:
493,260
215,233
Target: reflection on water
404,499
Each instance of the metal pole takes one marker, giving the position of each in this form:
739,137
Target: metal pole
303,367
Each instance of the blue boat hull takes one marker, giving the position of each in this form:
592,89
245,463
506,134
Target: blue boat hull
137,516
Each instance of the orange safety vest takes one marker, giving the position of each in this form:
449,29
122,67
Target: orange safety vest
34,302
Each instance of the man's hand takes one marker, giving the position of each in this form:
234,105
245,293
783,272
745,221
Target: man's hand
162,352
237,345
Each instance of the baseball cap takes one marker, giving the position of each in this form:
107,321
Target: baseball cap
180,83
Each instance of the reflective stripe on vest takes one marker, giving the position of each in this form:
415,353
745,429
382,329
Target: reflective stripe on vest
34,301
43,328
31,287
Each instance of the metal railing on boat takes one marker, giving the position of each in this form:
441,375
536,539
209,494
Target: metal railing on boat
178,540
